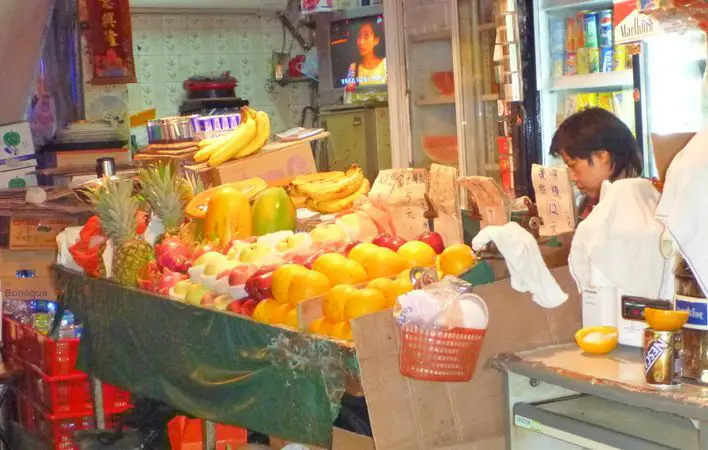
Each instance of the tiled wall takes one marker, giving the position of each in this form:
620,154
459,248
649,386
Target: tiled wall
170,48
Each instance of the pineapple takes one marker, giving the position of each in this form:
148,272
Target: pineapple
115,205
166,194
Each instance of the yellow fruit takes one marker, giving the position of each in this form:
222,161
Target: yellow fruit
238,140
457,259
280,313
306,286
386,287
351,273
401,287
662,320
228,216
262,135
365,301
338,205
417,254
386,263
320,326
282,277
334,188
209,146
264,310
341,330
291,318
331,265
337,298
363,253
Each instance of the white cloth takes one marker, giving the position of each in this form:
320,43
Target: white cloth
523,258
618,244
684,205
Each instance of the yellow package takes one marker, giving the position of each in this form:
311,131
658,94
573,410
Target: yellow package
588,100
605,101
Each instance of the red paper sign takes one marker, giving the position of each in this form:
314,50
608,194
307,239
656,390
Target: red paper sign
111,41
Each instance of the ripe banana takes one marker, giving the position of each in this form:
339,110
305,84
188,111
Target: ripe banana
299,202
215,144
262,135
335,206
335,188
240,138
313,177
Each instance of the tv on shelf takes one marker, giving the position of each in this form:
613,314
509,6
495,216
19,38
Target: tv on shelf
358,52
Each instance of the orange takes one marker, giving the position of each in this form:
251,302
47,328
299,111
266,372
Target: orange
341,330
386,263
264,310
282,278
365,301
337,298
417,254
306,286
662,320
280,313
606,343
320,326
348,272
400,287
363,253
291,318
386,287
331,265
457,259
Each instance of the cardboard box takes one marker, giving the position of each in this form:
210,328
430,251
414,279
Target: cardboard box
33,232
408,414
277,163
18,178
16,140
28,289
81,158
27,264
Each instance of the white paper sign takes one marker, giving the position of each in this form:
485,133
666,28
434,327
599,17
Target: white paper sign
554,199
490,200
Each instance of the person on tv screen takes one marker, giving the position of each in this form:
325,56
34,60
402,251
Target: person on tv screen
371,68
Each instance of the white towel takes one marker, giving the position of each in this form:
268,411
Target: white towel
523,258
618,244
684,205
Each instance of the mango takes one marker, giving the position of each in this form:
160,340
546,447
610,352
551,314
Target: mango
228,216
273,211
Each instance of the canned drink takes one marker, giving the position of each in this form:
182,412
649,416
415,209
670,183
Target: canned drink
558,31
662,354
607,59
582,64
594,60
590,27
620,57
604,28
570,66
557,60
571,35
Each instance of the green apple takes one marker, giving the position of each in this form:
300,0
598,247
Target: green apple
236,249
217,266
195,293
207,258
179,290
329,232
221,302
296,242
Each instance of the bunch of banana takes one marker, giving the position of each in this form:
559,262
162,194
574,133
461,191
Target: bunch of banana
248,138
329,192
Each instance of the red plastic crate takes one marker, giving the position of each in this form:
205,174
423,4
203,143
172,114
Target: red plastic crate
58,431
60,393
11,335
52,356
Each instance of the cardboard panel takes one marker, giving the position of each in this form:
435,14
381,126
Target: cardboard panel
410,414
28,289
24,264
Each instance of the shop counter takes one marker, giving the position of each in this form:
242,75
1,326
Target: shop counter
562,398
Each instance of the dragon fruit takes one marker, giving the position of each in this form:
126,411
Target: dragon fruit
167,280
173,254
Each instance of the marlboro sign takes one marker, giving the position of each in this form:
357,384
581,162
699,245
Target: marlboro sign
630,25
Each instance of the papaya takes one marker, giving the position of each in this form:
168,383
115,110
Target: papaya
197,207
228,216
273,211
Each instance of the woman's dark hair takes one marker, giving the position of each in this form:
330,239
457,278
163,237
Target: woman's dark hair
596,129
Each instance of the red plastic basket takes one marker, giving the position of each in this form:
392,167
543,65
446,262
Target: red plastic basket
58,430
59,393
434,355
52,356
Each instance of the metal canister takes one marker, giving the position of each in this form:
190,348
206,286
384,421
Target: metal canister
604,28
662,357
590,27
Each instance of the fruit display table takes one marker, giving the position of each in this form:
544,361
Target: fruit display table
560,397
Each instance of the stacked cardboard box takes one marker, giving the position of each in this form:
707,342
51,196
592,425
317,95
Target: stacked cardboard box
17,158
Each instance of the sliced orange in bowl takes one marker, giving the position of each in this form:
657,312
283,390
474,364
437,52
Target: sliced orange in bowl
597,340
665,320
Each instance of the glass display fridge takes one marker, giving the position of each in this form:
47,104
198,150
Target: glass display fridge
653,82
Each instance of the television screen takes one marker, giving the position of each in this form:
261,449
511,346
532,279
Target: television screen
358,52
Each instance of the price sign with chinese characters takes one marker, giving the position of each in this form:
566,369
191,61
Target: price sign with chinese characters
490,200
110,41
554,199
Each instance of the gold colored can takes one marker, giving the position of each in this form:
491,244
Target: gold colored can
582,63
620,57
662,357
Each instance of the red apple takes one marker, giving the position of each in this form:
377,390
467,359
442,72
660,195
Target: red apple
235,306
350,246
248,306
241,273
388,241
434,240
258,285
208,299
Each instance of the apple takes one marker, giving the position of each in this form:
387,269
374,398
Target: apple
388,241
248,306
195,293
218,266
294,243
259,284
329,232
434,240
359,226
241,273
221,302
208,300
202,250
254,252
235,249
349,247
180,289
235,306
207,258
